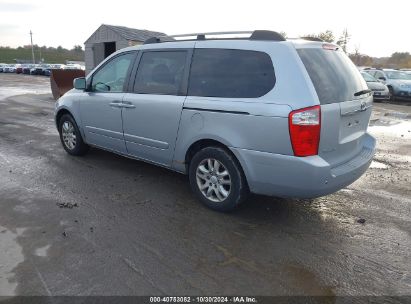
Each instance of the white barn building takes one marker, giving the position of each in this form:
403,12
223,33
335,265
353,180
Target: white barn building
109,38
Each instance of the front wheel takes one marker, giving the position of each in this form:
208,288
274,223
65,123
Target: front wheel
217,179
70,136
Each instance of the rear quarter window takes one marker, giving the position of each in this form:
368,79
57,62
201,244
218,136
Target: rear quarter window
334,76
230,73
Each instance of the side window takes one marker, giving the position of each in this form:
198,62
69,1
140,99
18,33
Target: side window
160,72
112,76
378,75
230,73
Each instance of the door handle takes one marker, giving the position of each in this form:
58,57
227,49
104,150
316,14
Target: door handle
128,105
116,104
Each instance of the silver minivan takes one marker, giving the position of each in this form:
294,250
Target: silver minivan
258,114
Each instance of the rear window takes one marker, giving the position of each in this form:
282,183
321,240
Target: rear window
335,77
230,73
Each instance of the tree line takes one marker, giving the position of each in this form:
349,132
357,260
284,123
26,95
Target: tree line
397,60
41,54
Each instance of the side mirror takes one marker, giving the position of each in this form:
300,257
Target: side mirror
79,83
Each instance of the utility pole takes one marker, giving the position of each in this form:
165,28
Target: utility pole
32,48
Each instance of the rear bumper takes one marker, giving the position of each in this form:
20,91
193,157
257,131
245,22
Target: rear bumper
301,177
381,95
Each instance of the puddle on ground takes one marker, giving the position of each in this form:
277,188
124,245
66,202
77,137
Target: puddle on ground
384,122
378,165
42,252
401,129
11,256
6,92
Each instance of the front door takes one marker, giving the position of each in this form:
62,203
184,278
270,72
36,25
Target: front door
101,106
151,114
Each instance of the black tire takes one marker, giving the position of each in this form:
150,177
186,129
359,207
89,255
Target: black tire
80,147
392,96
238,189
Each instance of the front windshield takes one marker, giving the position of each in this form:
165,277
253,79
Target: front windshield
368,77
397,75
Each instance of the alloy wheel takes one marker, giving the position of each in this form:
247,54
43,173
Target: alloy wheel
213,180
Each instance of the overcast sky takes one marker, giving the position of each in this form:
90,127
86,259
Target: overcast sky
377,28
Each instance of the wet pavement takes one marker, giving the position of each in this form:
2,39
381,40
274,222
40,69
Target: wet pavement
138,230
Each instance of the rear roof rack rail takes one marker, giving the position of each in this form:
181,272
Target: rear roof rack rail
254,35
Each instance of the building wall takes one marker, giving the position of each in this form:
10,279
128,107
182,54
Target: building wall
88,57
94,46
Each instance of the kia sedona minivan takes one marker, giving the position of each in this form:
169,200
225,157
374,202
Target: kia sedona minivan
260,114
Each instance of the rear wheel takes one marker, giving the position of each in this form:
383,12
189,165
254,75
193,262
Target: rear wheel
217,179
70,136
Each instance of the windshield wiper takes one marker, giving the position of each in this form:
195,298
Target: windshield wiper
362,92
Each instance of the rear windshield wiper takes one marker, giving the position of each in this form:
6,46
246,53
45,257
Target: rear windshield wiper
362,92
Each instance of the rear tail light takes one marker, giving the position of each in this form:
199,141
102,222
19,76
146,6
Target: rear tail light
305,128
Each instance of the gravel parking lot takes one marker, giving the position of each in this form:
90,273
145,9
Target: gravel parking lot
107,225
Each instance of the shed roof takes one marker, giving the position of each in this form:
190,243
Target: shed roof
131,33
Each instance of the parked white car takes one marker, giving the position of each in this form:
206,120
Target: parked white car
380,90
11,68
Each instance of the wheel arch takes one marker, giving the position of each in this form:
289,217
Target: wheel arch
62,111
60,114
208,142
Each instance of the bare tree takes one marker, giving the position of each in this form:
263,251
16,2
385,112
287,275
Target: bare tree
343,40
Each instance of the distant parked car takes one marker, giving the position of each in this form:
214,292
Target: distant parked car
47,72
23,66
380,90
19,69
2,66
408,73
27,68
74,67
9,68
38,70
398,82
58,66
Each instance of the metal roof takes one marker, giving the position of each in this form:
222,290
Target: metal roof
133,34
